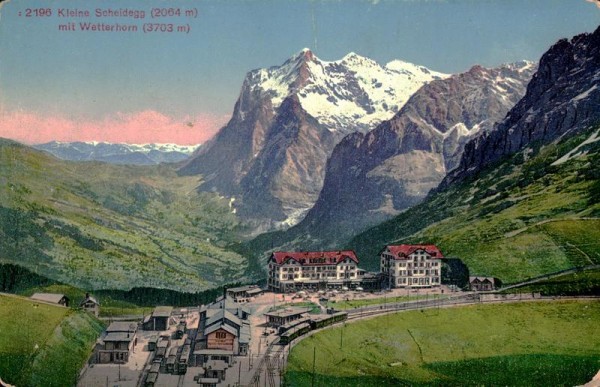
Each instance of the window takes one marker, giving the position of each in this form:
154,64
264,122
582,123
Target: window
221,335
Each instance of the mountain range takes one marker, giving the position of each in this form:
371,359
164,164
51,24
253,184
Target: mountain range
524,199
271,155
372,177
495,166
118,153
561,100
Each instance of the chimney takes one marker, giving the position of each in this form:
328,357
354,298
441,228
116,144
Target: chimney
87,295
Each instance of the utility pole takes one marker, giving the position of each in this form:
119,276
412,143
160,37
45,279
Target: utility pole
314,363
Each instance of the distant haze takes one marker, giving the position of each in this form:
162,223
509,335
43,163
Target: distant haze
134,128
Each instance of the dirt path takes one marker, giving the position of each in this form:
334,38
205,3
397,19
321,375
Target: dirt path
519,231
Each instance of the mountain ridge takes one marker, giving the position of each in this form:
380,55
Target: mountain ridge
274,178
118,153
525,198
371,177
97,225
563,79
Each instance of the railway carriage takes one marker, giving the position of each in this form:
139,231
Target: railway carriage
320,322
286,327
182,363
293,333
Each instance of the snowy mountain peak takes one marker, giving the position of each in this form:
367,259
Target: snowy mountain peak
118,153
350,94
302,56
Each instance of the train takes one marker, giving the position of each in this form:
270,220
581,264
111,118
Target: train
152,375
182,363
298,328
172,360
180,331
320,322
292,324
293,333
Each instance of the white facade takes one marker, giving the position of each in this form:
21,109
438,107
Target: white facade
295,271
411,267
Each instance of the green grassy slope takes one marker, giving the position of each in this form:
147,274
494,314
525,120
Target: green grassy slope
43,345
136,301
97,225
540,343
584,282
518,219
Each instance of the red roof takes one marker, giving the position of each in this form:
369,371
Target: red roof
314,257
403,251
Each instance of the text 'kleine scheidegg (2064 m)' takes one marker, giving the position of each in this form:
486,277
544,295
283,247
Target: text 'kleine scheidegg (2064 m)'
123,19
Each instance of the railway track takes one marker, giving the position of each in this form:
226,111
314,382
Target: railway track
374,310
264,364
467,299
273,359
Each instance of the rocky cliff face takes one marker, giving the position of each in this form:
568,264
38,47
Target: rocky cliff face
371,177
271,155
562,98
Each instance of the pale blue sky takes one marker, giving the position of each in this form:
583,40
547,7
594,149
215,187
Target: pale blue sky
94,74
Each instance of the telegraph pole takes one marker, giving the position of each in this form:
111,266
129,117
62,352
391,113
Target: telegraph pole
314,363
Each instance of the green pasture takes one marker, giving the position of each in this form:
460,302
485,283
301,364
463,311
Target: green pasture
532,343
43,345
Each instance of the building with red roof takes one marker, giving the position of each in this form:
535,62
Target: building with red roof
290,271
412,266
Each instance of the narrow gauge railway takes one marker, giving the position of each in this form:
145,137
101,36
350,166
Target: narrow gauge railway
278,346
298,328
292,324
294,333
305,326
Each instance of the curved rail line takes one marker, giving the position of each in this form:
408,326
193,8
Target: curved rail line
275,356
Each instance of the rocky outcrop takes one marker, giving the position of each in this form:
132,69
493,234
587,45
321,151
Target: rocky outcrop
271,156
370,178
562,98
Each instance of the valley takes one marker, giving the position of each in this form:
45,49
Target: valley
446,226
100,226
